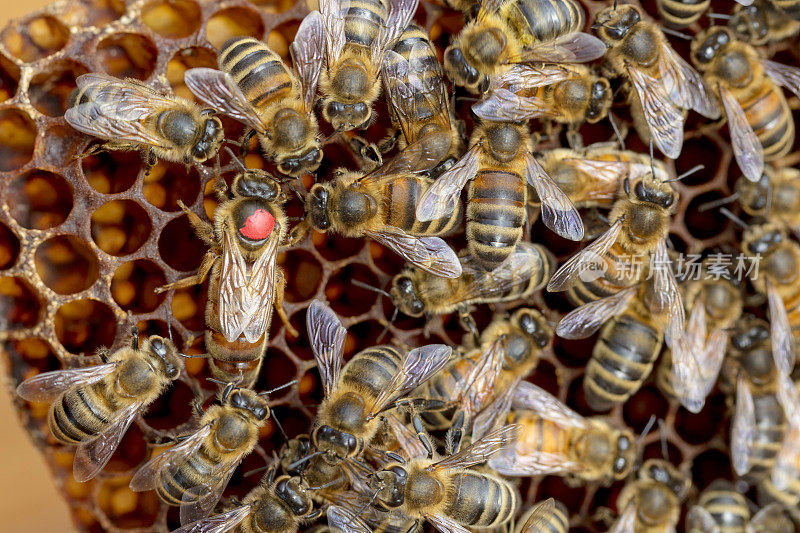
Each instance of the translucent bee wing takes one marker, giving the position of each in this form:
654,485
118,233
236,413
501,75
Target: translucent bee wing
494,413
219,523
93,455
327,335
502,105
198,502
684,85
769,516
333,13
481,450
745,2
574,47
419,156
48,386
431,254
626,521
530,397
665,296
664,118
440,199
344,520
781,337
784,75
523,76
537,521
743,427
149,474
587,319
418,365
699,519
490,6
480,382
398,17
308,55
786,461
444,524
607,175
406,438
789,398
219,90
746,147
533,464
592,255
524,263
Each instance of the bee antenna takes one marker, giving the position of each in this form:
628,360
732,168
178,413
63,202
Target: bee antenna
268,392
370,288
257,470
689,172
364,507
722,16
391,321
238,161
739,222
718,203
677,34
646,430
198,356
613,120
279,426
652,165
664,450
325,485
298,462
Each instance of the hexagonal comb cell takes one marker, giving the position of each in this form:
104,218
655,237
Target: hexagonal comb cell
84,242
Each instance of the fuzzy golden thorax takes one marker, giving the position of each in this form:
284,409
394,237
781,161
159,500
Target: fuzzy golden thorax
724,60
344,205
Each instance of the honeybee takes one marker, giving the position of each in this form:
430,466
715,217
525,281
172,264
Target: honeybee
130,115
248,227
275,506
548,516
715,304
417,95
195,472
500,161
357,35
445,491
94,406
554,439
665,86
508,351
380,205
775,196
348,417
778,280
762,23
760,123
255,87
417,293
569,94
617,259
784,484
723,509
505,32
681,13
652,502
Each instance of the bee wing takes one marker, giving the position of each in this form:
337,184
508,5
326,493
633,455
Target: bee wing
333,13
502,105
481,380
495,412
530,397
574,47
245,299
147,476
789,398
431,254
533,464
699,519
490,6
769,515
666,298
558,213
743,427
445,524
419,156
440,199
418,365
219,523
591,255
344,520
516,271
606,175
308,55
524,76
785,467
695,369
783,75
663,117
93,455
48,386
627,520
684,85
747,148
587,319
427,79
406,438
326,333
399,92
218,90
399,15
781,336
198,502
481,450
537,522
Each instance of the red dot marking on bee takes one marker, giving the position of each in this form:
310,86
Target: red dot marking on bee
259,225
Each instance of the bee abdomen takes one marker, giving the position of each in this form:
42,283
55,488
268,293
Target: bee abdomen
258,71
769,431
495,216
481,501
187,473
81,414
622,358
372,368
681,13
769,115
548,19
728,507
363,21
404,195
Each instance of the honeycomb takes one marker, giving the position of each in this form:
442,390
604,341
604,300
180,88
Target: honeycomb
83,243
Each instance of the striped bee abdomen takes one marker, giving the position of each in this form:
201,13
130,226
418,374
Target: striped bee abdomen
480,500
258,71
81,414
363,21
544,20
681,13
403,195
372,369
768,114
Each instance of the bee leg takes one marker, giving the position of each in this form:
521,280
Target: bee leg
103,354
575,139
200,277
314,515
456,432
204,229
279,306
298,233
604,515
198,408
150,160
422,435
135,337
246,138
468,323
388,142
367,151
91,150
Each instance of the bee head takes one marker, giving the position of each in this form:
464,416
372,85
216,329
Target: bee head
750,24
390,484
754,196
250,402
292,491
749,333
293,450
652,191
256,183
462,73
626,455
210,139
317,206
305,163
337,444
599,101
164,351
664,473
533,323
706,46
405,296
614,23
762,239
